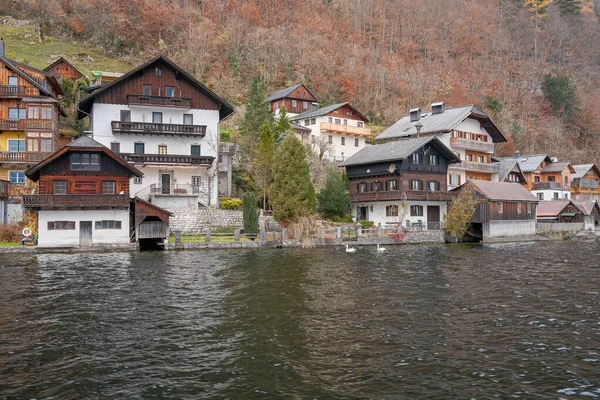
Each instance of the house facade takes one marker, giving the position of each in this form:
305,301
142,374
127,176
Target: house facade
467,131
584,183
504,210
166,123
82,196
554,181
61,69
401,182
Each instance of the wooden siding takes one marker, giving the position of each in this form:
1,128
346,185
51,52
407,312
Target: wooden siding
346,112
287,103
83,184
63,69
134,85
490,211
62,167
403,182
5,72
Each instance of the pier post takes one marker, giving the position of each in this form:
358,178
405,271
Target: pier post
177,235
237,235
283,235
207,238
379,231
263,234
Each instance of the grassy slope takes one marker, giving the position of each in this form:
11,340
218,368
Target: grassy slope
31,52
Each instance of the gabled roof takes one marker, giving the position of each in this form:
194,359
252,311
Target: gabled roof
299,127
551,208
501,191
82,143
442,123
86,103
582,169
14,66
507,166
326,110
529,163
61,59
397,150
558,167
586,207
280,94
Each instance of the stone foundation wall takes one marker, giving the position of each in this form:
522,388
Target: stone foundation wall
199,221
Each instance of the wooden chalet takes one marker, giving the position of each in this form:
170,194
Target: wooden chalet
563,211
295,99
61,69
401,182
504,210
584,183
591,213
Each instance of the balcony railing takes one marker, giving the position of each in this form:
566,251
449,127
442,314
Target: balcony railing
548,186
16,91
163,101
22,124
22,157
419,195
150,128
40,124
475,166
184,189
585,183
346,129
75,200
12,124
4,187
167,159
472,144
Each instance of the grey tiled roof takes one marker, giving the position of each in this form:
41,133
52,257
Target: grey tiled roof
439,123
397,150
282,93
299,127
529,163
85,141
556,166
581,170
586,207
506,166
503,191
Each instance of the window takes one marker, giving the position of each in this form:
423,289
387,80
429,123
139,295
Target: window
469,157
108,187
433,159
162,149
85,162
195,151
137,180
416,185
481,159
356,142
330,120
500,207
138,148
16,113
294,103
391,211
307,122
157,117
528,208
305,105
47,113
392,185
416,158
566,196
33,112
360,124
170,91
338,121
196,180
60,187
313,121
16,145
551,179
454,179
519,208
116,147
375,186
343,141
330,139
16,177
536,178
61,225
46,145
540,196
12,81
108,224
157,71
362,187
432,186
345,122
33,144
188,119
556,196
416,211
147,90
125,116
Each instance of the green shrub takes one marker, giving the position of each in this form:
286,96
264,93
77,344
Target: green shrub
227,203
225,229
250,214
366,224
345,219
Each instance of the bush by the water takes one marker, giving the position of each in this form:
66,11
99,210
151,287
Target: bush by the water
10,233
366,224
227,203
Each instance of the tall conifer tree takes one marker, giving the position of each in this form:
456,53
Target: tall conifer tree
257,113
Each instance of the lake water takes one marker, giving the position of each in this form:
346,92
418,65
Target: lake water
518,320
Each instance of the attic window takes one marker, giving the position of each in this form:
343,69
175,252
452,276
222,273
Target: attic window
158,71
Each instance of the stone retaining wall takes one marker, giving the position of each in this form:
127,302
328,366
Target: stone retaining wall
199,221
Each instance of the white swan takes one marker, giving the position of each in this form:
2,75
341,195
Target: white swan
380,248
350,249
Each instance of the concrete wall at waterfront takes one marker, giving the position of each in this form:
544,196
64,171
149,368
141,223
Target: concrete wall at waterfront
199,221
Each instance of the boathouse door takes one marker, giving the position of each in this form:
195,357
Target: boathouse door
85,234
433,217
166,183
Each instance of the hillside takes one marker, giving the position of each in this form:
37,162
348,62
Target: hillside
534,65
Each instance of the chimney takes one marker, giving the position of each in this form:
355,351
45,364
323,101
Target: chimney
2,47
415,114
517,155
437,108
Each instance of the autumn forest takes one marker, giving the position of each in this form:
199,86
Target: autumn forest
533,65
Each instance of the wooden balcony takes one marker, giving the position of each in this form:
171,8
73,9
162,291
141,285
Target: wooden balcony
344,129
475,166
160,101
26,157
487,147
75,201
17,91
12,124
548,186
168,159
4,189
23,124
402,195
149,128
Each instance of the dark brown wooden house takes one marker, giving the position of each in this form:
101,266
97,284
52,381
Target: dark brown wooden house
295,99
61,68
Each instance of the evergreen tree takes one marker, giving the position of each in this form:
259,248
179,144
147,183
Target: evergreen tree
283,126
257,113
292,194
333,199
263,160
569,7
561,94
250,214
460,212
